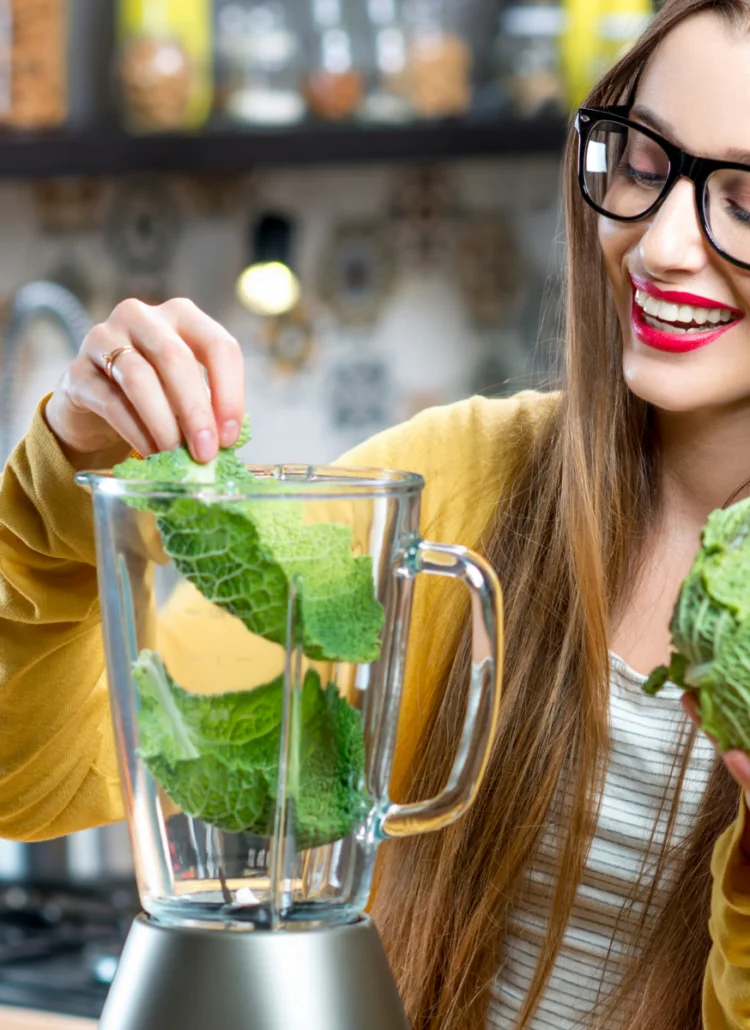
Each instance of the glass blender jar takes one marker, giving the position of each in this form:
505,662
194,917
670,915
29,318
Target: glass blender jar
255,634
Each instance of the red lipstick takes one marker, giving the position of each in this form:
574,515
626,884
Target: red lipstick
679,297
676,342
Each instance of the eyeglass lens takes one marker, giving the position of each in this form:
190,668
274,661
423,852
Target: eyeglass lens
625,173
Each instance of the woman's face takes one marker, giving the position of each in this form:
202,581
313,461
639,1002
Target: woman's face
695,91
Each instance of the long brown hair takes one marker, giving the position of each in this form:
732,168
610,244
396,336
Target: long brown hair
565,543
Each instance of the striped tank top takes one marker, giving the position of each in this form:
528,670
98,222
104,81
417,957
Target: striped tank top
644,739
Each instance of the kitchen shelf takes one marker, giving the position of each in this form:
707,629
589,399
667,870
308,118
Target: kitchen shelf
111,152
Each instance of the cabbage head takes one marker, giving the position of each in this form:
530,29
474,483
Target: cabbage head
710,629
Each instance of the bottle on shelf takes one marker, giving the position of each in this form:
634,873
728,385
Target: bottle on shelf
334,82
528,57
165,63
440,59
387,98
33,63
258,56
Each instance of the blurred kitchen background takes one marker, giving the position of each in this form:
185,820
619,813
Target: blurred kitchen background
365,192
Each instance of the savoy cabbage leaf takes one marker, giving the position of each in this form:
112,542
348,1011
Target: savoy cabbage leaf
710,629
243,555
217,756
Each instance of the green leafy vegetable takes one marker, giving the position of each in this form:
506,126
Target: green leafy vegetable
243,556
216,756
710,629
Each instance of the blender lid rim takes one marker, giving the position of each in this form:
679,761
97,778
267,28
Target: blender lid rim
303,482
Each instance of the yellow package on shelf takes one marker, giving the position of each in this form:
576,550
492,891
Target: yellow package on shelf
165,64
596,34
579,47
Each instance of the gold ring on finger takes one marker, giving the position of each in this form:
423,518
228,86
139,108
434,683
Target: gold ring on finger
111,358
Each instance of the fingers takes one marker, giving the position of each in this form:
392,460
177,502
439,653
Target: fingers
738,764
736,761
163,379
139,382
221,356
90,391
180,379
689,702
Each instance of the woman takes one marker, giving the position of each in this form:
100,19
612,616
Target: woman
577,890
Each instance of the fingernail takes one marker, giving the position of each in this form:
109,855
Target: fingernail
229,433
205,445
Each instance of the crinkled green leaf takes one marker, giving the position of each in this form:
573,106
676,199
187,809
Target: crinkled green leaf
216,756
725,695
727,528
698,622
243,556
727,582
177,466
672,673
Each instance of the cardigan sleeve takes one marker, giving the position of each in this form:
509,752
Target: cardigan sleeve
58,770
726,988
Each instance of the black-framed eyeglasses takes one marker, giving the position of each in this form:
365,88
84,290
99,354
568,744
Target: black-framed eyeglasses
626,170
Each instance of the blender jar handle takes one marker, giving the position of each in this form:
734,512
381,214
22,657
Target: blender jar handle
483,704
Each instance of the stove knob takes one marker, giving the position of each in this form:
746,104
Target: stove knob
15,898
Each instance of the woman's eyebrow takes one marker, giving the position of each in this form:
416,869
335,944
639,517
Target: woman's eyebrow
642,114
653,121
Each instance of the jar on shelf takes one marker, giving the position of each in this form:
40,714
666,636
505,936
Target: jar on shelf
164,66
259,64
33,63
334,83
528,58
440,58
387,98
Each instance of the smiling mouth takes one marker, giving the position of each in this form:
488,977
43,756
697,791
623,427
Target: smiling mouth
668,322
669,317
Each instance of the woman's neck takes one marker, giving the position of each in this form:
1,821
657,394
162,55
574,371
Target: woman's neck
705,458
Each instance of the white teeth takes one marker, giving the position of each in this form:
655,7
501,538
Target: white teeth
685,315
669,327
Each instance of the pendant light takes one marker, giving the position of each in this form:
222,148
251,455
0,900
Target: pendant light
269,286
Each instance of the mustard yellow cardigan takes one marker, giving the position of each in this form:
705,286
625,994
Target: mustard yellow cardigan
58,770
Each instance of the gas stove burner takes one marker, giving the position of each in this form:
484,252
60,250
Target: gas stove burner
60,945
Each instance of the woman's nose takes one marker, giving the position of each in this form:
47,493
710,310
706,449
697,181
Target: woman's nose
673,242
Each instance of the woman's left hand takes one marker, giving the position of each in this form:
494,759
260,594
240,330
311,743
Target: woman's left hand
736,761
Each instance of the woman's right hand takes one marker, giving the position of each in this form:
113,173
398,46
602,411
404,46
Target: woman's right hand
157,397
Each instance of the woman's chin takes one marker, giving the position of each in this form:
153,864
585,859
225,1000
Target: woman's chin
682,382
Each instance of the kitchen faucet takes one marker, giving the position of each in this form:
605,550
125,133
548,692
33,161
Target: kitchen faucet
39,299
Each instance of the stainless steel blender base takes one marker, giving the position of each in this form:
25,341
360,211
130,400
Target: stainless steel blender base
335,978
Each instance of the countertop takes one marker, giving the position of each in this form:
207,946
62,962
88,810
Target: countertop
27,1019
